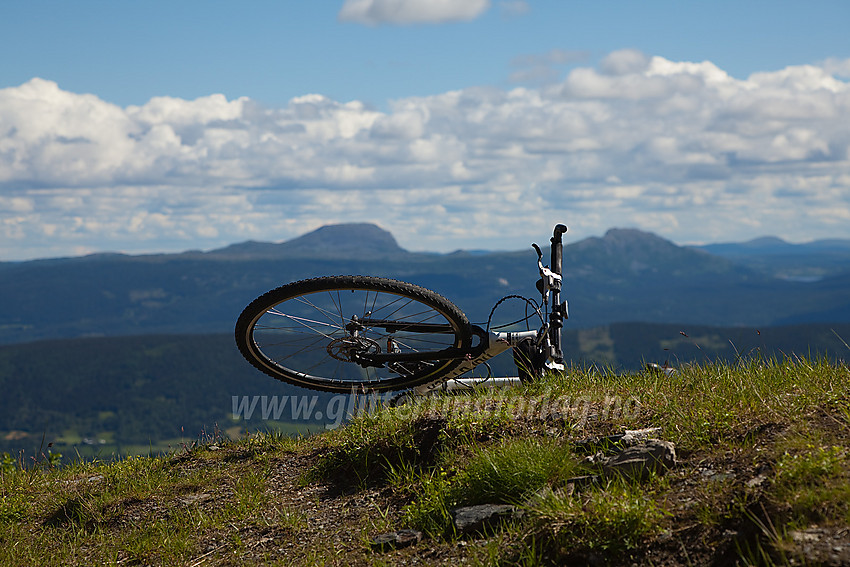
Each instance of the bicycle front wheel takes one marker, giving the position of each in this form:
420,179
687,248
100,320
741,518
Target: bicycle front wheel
344,332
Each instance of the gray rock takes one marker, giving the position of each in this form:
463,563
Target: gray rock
757,481
396,540
814,545
579,482
638,461
614,443
476,519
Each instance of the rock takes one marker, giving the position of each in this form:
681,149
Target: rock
633,454
819,546
476,519
636,462
613,443
714,476
190,499
396,540
637,435
579,482
757,481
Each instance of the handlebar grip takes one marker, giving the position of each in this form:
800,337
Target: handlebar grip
560,230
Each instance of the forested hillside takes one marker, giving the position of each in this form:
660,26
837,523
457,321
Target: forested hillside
135,394
125,394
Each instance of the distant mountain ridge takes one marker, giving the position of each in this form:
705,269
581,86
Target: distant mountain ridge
626,275
809,261
644,252
355,240
772,245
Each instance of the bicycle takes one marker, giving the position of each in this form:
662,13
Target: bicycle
373,334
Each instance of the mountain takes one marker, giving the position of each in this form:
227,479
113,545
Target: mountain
806,262
765,245
773,246
356,240
626,275
630,252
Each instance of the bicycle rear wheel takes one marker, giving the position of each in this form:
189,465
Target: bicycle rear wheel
343,332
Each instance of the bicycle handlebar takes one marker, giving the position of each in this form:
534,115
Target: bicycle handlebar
560,230
559,310
557,245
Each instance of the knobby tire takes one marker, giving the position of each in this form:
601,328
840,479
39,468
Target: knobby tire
301,333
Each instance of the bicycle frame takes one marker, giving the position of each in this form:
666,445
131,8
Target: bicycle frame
547,338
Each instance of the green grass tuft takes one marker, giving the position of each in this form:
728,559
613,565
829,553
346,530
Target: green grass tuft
613,519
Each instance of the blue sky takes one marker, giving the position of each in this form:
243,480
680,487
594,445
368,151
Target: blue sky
165,126
272,51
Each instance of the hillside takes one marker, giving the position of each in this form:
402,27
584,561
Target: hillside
133,395
726,464
129,395
624,276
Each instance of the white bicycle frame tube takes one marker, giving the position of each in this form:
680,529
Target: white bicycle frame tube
497,343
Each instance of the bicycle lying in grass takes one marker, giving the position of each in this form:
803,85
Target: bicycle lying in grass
372,334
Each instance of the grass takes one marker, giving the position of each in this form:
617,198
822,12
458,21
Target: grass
814,482
613,519
510,471
514,469
762,447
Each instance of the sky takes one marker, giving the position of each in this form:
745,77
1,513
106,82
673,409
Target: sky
164,126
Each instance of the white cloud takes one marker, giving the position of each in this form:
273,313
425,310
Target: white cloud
539,69
677,147
375,12
838,67
625,61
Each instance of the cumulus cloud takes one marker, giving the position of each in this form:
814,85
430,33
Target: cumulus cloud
624,61
839,67
543,68
375,12
679,148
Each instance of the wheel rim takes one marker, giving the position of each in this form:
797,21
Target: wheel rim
316,337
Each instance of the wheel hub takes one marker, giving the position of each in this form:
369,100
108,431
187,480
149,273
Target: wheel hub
349,349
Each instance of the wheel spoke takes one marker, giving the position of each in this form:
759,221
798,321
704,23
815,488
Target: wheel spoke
331,315
306,323
313,336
